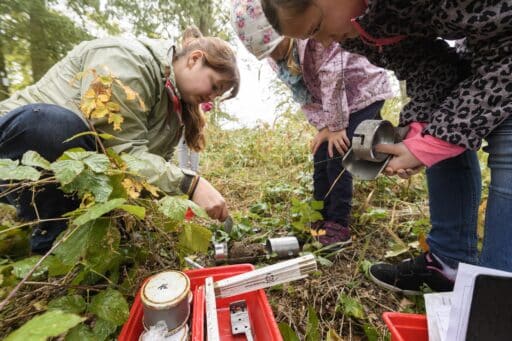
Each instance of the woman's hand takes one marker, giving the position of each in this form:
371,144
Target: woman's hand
404,163
208,198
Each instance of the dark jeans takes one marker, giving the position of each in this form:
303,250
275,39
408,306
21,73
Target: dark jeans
454,187
338,205
42,128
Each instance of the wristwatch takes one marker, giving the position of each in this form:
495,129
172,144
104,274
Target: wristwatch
189,182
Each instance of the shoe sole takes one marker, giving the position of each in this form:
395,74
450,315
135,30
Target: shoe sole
393,288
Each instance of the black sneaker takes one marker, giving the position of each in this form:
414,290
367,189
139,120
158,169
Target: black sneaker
411,276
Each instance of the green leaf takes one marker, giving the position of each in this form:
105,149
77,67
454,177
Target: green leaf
324,261
98,210
67,170
317,205
371,332
10,172
350,306
102,246
194,238
42,327
103,328
70,304
138,211
287,332
90,182
81,333
101,331
174,207
21,268
70,250
9,163
110,305
99,163
32,158
55,266
312,329
134,164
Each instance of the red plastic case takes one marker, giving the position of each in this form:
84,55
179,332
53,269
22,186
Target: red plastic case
406,327
263,324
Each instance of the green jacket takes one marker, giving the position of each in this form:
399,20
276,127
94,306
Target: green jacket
150,135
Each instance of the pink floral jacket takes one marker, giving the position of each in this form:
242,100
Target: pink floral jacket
339,82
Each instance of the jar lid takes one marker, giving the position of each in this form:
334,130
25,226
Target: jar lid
165,289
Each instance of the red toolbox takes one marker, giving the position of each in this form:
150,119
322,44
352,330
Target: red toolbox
263,324
406,327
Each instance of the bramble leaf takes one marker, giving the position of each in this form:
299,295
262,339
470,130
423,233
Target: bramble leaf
70,304
66,170
98,210
90,182
194,238
42,327
34,159
110,305
99,163
138,211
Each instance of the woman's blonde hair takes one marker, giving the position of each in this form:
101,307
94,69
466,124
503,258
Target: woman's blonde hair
219,56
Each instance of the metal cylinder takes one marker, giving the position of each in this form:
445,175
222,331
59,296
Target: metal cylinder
221,252
367,135
284,247
166,297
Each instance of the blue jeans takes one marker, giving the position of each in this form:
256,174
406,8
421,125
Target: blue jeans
42,128
454,195
338,205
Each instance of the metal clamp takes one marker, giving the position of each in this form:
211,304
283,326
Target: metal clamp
361,160
367,135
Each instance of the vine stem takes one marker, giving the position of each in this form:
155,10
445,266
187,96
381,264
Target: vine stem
27,276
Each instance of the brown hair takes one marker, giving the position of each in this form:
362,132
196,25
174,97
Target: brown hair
271,8
219,56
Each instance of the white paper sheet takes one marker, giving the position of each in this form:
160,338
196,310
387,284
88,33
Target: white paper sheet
438,307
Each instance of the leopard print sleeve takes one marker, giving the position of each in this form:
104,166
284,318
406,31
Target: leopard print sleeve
478,104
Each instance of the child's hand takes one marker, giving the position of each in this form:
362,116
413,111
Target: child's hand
404,163
319,138
338,140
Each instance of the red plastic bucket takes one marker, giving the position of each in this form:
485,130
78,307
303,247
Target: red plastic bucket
406,327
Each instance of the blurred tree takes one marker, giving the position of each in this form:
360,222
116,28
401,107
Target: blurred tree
35,28
167,19
35,34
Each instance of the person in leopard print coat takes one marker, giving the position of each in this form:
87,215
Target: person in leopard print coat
458,99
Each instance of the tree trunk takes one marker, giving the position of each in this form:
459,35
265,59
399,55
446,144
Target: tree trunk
39,51
4,82
204,17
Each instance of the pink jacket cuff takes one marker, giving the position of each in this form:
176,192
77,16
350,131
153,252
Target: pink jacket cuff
428,149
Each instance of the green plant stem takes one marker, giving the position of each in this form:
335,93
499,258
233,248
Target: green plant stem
39,262
31,223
